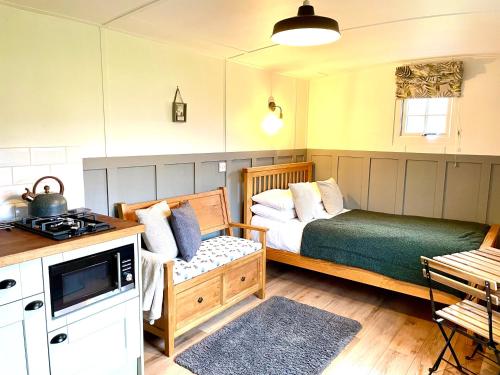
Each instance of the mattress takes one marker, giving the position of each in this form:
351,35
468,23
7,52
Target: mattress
282,235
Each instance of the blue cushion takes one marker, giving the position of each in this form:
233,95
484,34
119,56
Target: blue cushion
186,230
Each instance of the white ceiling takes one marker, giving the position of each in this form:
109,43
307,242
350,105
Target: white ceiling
373,32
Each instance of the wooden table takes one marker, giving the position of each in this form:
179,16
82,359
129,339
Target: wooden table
484,263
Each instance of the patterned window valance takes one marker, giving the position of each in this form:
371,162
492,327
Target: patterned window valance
442,79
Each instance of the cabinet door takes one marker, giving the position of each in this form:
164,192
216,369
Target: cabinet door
12,353
10,284
35,331
104,343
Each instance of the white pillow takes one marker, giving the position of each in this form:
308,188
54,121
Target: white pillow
272,213
158,235
331,195
316,191
304,200
320,212
275,198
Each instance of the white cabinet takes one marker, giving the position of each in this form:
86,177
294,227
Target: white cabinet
105,343
23,337
10,284
35,333
23,342
31,277
12,353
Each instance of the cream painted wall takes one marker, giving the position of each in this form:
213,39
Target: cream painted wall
56,91
354,110
50,82
140,78
248,91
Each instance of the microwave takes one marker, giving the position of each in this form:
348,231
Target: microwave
80,282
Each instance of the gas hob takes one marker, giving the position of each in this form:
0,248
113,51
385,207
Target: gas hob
64,226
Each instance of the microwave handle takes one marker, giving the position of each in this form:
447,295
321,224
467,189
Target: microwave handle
119,270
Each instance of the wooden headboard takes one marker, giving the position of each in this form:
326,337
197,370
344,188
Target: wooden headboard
211,208
259,179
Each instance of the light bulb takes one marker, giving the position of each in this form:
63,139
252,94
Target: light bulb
271,123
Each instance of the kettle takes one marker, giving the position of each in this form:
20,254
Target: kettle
46,204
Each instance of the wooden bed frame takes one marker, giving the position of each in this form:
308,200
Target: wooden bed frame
259,179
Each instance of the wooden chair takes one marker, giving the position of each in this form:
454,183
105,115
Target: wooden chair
475,320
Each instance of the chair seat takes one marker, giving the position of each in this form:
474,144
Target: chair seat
213,253
473,317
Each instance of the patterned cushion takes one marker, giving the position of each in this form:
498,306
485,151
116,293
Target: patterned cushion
213,253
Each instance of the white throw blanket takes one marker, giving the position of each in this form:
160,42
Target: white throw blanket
152,284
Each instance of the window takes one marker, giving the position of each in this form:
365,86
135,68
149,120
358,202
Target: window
426,117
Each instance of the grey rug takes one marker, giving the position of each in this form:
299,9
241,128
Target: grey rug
277,337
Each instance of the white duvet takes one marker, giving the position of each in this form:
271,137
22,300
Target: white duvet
283,235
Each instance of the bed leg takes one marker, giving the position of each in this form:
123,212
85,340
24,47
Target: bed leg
169,308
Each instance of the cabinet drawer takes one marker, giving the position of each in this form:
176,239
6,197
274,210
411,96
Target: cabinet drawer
196,301
10,284
242,278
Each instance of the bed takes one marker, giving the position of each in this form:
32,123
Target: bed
284,239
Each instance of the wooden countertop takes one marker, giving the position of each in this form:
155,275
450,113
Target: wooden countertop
18,245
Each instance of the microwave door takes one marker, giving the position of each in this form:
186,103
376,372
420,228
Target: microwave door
78,283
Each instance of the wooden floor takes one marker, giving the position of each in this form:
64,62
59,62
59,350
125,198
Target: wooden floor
397,337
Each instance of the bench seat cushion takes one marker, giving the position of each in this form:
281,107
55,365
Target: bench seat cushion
213,253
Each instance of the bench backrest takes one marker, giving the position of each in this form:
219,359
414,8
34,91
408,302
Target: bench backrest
211,208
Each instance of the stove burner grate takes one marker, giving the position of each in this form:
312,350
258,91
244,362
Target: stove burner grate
64,226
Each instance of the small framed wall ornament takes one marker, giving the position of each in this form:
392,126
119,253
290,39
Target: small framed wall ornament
179,108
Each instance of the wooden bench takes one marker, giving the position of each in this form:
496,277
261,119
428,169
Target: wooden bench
189,303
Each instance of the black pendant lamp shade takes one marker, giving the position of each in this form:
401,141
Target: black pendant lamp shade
306,29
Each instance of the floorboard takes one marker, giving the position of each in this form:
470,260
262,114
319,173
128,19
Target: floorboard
398,336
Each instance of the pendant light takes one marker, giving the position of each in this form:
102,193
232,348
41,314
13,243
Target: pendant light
306,29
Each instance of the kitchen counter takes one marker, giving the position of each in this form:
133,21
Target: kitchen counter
18,245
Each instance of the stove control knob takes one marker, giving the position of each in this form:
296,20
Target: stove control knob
128,276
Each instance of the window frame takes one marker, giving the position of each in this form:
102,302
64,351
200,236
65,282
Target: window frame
404,118
437,143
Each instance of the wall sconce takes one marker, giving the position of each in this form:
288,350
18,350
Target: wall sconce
273,122
272,106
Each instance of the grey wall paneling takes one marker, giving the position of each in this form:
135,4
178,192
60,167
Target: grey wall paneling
259,162
420,187
350,180
382,185
136,184
493,210
322,166
235,188
285,159
96,194
463,187
174,179
140,178
461,195
208,176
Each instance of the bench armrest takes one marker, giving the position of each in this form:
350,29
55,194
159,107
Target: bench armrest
168,264
249,227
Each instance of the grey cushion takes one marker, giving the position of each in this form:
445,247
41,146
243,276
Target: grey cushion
186,230
304,200
331,196
158,236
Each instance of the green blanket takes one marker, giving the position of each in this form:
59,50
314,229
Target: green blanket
388,244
